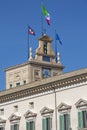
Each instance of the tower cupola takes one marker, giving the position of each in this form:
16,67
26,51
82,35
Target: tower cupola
44,51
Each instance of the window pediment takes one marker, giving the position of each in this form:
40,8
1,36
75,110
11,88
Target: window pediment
46,110
14,117
63,107
81,103
30,114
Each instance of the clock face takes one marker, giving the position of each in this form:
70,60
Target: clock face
46,73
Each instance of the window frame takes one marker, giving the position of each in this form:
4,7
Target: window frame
13,124
82,121
64,121
45,121
2,126
64,110
81,106
31,123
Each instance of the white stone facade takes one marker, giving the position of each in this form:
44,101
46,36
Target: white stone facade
39,96
67,95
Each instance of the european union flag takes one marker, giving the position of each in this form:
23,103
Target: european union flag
58,38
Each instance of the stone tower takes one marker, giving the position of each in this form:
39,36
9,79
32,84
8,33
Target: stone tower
42,66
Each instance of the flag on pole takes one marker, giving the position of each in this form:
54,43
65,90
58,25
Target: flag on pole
58,38
44,11
48,19
31,31
46,14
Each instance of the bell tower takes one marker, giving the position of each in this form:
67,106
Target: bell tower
42,66
44,51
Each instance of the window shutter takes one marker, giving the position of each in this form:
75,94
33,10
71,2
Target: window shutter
33,125
68,121
12,127
17,126
43,124
1,128
61,119
50,123
86,118
27,125
80,120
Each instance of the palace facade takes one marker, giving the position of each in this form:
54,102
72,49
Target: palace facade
39,96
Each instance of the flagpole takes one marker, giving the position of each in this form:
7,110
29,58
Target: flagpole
55,47
41,20
28,46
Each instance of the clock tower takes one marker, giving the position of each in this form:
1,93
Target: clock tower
46,58
43,65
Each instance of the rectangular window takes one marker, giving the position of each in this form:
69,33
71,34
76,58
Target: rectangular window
36,73
82,119
1,128
15,127
17,84
30,125
10,85
47,124
24,81
65,122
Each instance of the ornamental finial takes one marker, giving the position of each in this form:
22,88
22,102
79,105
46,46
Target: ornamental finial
30,58
58,57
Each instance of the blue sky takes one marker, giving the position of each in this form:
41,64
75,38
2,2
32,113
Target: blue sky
68,17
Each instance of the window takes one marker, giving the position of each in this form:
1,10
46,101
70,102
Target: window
10,85
47,114
14,127
1,111
16,108
24,81
81,105
17,84
82,119
64,122
36,72
47,123
54,73
1,128
30,125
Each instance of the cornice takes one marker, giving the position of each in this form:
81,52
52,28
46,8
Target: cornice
48,84
16,66
34,62
47,64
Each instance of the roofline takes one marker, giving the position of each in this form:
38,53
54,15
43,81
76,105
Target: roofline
34,62
32,88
